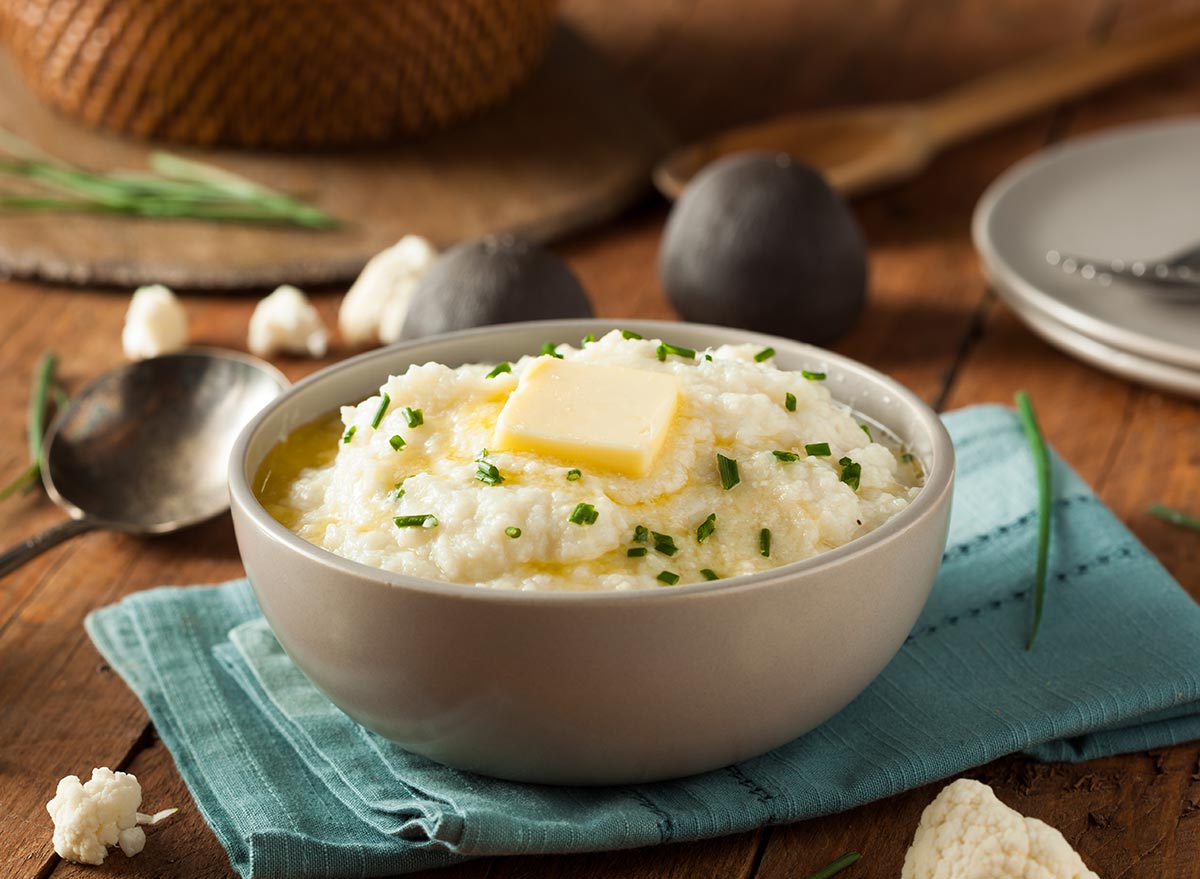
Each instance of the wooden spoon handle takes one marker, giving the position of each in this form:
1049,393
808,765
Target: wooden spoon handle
1011,94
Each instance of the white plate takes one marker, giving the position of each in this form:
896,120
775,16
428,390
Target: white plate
1131,194
1165,376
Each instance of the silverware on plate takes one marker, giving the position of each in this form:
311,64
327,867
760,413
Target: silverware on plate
1174,277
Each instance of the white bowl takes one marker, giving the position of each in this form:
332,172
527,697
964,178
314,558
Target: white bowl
595,687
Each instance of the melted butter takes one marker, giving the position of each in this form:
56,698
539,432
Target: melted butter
310,445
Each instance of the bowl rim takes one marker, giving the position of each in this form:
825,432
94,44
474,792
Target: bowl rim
939,478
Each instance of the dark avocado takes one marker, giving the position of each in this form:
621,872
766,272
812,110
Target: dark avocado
493,280
761,241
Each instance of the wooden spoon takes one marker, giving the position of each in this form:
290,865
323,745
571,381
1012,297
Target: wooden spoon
865,148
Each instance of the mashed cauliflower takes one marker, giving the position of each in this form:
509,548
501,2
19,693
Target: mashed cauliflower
518,533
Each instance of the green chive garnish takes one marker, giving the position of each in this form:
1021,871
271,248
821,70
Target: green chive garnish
764,354
1041,466
574,475
678,350
414,417
399,486
46,392
641,534
789,401
664,543
349,434
668,577
813,376
513,532
550,349
709,574
1175,517
397,442
832,869
499,368
851,472
637,552
906,458
708,357
818,450
764,543
584,514
629,334
425,521
384,402
706,528
867,430
590,337
786,457
728,469
488,474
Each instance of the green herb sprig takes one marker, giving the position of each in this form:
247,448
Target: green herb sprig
1175,517
1041,466
584,514
46,394
706,528
678,350
835,867
851,472
384,402
727,468
668,577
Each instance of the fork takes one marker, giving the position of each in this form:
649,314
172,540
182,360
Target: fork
1174,277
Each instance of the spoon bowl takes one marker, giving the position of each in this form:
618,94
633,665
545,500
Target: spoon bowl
144,449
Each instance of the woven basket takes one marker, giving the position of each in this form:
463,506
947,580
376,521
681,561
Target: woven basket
275,73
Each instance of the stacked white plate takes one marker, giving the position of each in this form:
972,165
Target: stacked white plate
1133,195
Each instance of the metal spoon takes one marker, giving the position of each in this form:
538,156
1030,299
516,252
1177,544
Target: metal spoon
145,448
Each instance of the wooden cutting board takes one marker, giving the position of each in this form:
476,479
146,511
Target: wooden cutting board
571,148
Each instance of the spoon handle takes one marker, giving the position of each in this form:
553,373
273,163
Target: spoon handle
14,557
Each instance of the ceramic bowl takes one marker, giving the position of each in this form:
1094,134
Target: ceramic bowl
599,687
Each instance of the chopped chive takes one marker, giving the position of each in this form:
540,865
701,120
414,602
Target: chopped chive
668,577
786,457
414,417
867,430
488,474
709,574
818,450
349,434
637,552
851,472
629,334
664,349
513,532
384,402
728,468
590,337
835,867
399,486
421,521
789,401
397,442
550,349
813,376
1175,517
641,534
574,475
706,528
906,458
764,354
500,368
584,514
664,543
708,357
764,543
1041,466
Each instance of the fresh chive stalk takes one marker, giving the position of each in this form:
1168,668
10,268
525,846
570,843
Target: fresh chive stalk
851,472
1175,517
399,487
664,543
789,401
584,514
499,369
706,528
550,349
513,532
764,543
384,402
590,337
636,552
418,521
44,386
835,867
668,577
813,376
818,450
488,473
1041,466
574,475
786,457
709,574
397,442
866,428
764,355
629,334
349,434
641,534
663,350
413,417
728,470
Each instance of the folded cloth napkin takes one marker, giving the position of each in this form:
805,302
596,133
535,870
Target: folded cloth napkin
295,788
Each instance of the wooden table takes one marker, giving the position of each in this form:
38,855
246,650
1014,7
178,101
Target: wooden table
932,324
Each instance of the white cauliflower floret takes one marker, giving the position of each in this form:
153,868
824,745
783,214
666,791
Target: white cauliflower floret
375,307
967,833
287,321
155,323
90,817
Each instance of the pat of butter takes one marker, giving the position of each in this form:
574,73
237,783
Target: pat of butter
587,414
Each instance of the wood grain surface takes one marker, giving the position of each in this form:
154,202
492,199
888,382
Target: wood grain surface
932,324
572,147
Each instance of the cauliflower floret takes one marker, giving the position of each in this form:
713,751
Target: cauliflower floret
375,307
103,812
967,833
287,321
155,323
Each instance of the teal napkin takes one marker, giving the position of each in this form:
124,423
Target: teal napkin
292,787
